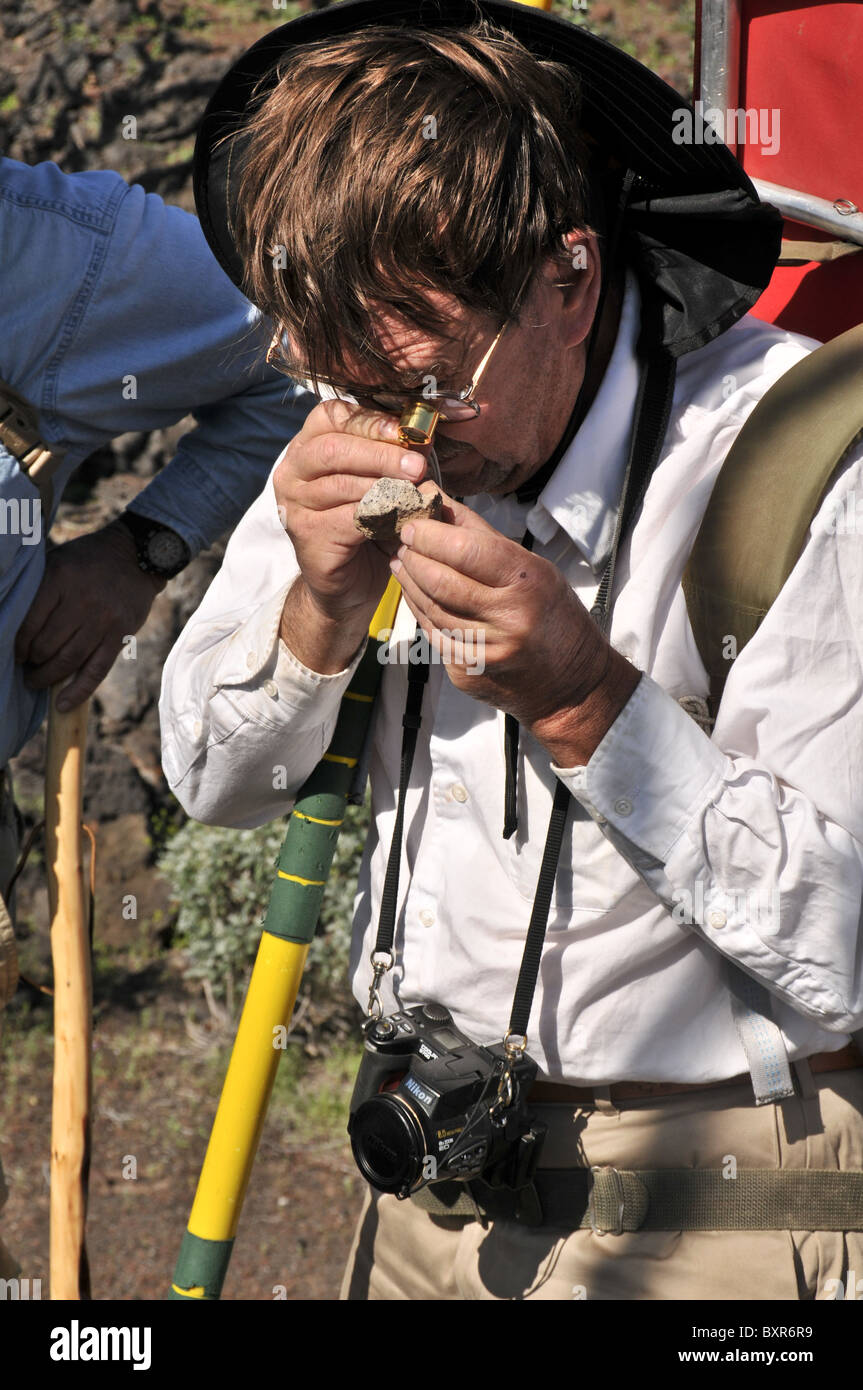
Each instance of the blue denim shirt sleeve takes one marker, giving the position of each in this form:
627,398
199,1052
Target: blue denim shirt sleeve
118,318
165,334
221,466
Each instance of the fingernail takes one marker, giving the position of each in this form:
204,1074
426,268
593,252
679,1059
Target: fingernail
395,565
407,535
413,465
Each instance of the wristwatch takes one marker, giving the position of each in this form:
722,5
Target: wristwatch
160,550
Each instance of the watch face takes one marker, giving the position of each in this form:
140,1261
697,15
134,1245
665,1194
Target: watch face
166,551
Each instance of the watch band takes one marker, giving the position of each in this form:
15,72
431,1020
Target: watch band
160,550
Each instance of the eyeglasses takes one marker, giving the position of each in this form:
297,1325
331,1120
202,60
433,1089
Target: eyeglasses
422,407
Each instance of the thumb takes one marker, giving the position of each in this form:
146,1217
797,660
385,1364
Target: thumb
459,514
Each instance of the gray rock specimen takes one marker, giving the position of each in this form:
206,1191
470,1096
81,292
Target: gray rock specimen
389,504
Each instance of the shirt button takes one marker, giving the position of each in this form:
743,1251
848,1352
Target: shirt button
623,806
250,660
427,917
197,728
271,688
716,919
459,793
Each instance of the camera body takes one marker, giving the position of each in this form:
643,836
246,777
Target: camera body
426,1107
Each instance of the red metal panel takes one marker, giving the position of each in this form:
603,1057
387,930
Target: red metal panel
805,62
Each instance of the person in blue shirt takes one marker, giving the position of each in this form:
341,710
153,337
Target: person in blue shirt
115,316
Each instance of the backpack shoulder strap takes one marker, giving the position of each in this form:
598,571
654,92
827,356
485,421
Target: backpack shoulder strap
765,497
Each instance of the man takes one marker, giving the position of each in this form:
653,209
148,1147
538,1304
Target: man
114,318
576,255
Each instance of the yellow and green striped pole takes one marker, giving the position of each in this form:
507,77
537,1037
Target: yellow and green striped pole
303,868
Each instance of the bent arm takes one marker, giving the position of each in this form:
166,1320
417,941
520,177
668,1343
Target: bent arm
754,838
751,864
243,720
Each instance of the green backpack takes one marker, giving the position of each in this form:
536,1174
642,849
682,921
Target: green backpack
770,486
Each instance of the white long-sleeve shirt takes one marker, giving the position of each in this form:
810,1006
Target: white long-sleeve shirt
681,848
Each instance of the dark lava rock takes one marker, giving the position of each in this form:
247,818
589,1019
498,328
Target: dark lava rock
390,504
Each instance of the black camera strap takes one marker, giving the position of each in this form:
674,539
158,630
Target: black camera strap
411,719
382,955
651,418
652,411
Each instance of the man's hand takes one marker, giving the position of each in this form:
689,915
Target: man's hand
543,658
325,471
93,594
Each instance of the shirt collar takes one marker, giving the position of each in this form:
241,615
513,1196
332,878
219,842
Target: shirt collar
583,494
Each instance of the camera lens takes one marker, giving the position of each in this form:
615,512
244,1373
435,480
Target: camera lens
388,1143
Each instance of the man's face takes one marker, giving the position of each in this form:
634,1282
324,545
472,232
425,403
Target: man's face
529,388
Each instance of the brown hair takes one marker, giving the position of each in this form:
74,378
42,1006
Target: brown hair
395,161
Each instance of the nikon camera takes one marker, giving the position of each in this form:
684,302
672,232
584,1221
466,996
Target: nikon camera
425,1107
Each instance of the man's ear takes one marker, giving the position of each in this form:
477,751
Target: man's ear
576,274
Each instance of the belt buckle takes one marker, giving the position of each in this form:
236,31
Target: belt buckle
617,1201
615,1197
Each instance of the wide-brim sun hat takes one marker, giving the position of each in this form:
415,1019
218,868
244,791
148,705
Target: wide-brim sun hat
694,225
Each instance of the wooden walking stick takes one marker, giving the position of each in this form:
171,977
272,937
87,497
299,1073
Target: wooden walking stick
70,949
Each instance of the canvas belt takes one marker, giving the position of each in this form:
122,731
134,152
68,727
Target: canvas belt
19,433
551,1093
611,1201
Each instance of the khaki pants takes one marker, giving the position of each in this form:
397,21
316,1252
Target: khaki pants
401,1252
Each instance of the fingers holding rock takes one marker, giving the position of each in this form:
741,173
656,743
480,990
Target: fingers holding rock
390,504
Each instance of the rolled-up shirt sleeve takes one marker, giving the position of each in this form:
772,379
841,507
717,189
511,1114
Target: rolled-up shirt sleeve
754,837
243,721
